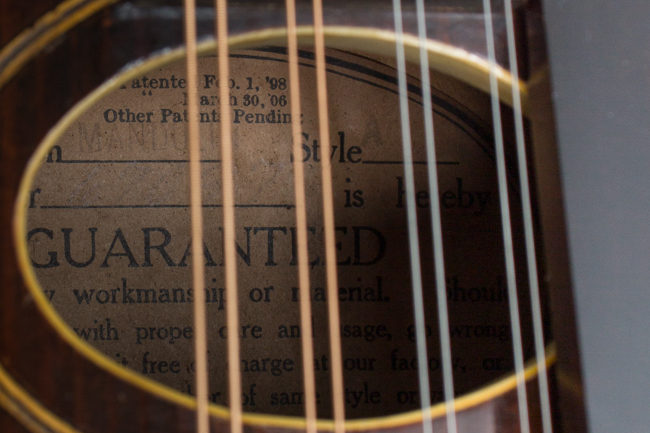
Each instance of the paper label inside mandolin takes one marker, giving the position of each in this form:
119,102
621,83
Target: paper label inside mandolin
109,232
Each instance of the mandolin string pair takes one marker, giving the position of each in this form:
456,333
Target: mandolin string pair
301,224
524,421
198,276
531,261
414,243
414,249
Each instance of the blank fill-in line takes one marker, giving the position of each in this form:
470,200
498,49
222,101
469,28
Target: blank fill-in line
414,162
163,206
133,161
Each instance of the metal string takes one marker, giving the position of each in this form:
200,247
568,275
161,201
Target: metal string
439,261
414,245
524,422
232,306
196,212
528,224
301,223
338,398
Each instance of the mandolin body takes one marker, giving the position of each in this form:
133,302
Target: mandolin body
53,54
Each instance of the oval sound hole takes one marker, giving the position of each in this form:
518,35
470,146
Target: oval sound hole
109,223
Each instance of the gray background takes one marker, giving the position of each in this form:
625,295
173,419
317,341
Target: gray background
600,63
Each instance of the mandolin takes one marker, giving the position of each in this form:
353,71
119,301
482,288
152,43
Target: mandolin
264,216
